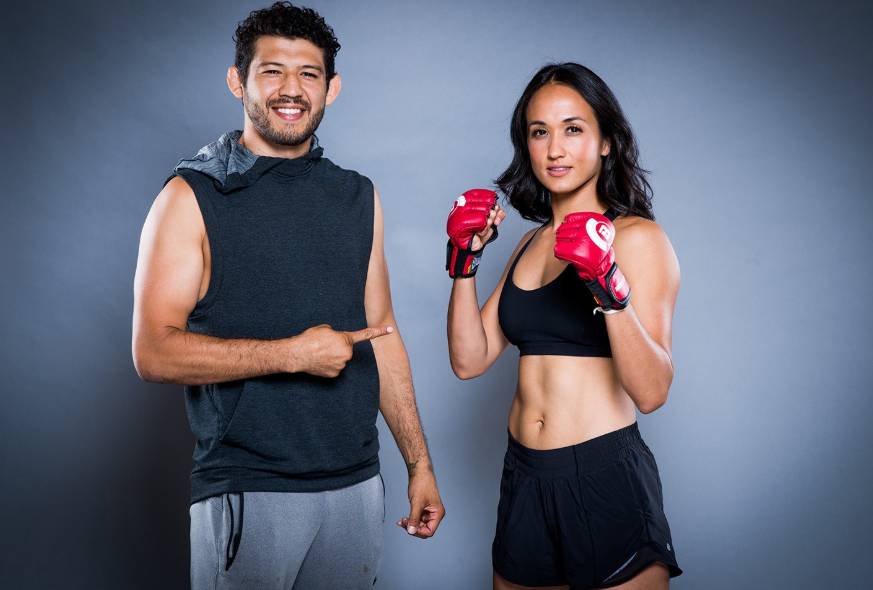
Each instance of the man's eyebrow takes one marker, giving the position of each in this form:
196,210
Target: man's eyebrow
280,64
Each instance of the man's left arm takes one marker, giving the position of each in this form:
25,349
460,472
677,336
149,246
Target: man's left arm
397,396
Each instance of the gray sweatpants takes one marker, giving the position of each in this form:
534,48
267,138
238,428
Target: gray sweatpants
289,541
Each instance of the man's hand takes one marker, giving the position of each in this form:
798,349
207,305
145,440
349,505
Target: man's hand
425,507
324,352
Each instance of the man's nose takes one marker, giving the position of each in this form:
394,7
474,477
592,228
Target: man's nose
291,87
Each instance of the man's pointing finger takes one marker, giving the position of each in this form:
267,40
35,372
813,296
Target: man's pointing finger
369,333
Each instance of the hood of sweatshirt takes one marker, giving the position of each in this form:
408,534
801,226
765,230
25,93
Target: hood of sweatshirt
233,166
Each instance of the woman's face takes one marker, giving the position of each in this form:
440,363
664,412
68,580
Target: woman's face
563,140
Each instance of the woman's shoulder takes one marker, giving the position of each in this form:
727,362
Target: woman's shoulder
643,240
638,230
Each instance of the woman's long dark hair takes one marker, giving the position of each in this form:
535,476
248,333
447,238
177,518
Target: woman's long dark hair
622,184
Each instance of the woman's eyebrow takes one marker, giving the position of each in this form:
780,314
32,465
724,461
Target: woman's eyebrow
567,120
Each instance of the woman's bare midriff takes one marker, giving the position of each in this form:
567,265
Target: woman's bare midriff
565,400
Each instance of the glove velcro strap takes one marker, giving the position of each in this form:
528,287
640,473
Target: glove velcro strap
605,293
462,263
493,236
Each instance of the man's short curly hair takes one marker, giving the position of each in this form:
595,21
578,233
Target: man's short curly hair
283,19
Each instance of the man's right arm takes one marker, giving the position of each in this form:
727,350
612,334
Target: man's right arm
169,274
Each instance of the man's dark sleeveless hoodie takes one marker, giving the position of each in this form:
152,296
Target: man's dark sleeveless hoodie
290,243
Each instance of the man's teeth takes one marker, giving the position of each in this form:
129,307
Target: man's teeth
289,111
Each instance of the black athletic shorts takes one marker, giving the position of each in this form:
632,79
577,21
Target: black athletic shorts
590,515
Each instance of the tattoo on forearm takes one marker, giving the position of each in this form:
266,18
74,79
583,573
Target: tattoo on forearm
411,465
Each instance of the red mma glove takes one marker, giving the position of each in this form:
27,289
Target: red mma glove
585,240
469,217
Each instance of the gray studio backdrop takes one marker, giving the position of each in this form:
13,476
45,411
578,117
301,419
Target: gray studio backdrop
754,118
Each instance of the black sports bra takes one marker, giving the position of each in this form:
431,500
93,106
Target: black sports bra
556,319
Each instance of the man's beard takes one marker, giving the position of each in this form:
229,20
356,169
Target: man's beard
286,135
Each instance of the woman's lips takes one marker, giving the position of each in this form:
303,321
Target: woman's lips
558,170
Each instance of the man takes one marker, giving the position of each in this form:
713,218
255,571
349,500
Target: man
262,287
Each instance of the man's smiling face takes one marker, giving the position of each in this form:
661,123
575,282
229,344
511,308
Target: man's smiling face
286,90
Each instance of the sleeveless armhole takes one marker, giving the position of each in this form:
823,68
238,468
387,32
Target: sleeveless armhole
372,225
210,220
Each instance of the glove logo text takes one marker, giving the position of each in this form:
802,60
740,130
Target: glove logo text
599,232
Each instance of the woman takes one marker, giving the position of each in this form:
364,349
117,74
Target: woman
580,498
